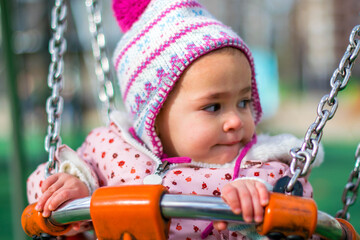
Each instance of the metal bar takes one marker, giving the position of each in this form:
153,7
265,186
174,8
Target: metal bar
196,207
76,210
190,207
17,162
328,227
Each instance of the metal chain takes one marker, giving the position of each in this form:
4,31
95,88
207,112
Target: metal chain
351,188
54,103
304,156
102,65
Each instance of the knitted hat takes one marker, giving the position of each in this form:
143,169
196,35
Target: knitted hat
162,38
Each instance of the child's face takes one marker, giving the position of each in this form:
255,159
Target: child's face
207,117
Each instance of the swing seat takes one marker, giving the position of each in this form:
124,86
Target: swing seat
144,212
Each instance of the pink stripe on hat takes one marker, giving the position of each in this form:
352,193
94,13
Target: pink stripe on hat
150,25
163,47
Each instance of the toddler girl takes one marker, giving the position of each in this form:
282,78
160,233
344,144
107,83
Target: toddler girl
188,83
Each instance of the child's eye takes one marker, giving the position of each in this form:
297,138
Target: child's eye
212,108
244,103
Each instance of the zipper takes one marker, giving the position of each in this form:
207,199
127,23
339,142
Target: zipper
163,167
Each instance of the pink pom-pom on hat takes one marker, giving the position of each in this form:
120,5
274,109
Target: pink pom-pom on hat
128,11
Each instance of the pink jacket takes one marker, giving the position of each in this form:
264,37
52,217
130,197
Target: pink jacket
110,156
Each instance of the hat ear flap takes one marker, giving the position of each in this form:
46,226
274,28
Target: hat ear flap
128,11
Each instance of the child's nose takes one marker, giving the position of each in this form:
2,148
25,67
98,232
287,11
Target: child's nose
232,122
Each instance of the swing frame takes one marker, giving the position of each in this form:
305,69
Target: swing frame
159,212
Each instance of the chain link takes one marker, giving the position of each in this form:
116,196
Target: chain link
57,47
351,188
302,159
102,64
55,103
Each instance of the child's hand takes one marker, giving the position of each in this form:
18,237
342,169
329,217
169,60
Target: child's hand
57,189
248,197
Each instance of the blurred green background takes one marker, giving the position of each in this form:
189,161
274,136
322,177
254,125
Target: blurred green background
296,47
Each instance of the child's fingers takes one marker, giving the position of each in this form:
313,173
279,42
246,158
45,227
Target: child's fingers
57,199
63,195
257,207
231,197
263,193
246,204
43,199
41,202
67,191
52,192
49,186
48,205
46,211
49,181
220,225
259,198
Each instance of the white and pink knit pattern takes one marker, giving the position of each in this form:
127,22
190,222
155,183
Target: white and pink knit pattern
157,47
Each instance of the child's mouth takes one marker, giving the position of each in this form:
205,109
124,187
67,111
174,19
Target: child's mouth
230,143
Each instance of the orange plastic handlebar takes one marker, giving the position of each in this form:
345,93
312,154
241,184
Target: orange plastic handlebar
289,215
349,230
34,223
129,213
